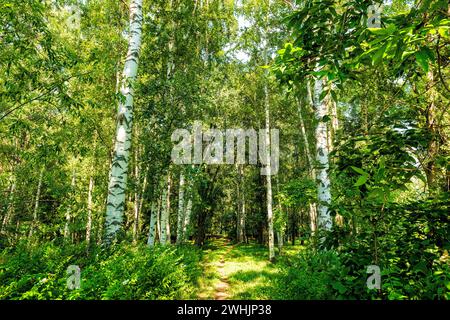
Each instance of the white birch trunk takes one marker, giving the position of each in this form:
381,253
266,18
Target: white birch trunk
181,211
241,208
324,220
136,198
280,241
152,228
267,146
187,220
144,187
118,178
165,214
9,209
66,227
268,176
163,220
89,207
158,217
168,233
36,202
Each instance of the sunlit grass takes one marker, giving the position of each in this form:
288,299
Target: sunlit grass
246,269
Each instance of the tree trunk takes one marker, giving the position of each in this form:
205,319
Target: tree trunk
89,207
36,202
268,148
141,199
181,211
187,220
158,217
136,198
432,148
280,241
152,231
118,178
241,208
72,187
323,180
9,208
165,214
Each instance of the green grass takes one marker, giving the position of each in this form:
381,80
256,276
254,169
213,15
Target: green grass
247,269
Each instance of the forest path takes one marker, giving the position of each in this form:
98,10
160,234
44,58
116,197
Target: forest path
236,271
222,286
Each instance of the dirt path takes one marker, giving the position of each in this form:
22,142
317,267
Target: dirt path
221,288
236,271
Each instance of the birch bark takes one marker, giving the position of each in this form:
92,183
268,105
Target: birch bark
323,180
118,178
181,211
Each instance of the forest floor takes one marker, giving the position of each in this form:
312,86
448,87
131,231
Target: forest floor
240,271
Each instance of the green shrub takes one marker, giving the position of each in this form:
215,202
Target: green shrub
123,272
314,275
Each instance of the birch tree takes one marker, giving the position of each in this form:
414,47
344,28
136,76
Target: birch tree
187,220
36,201
66,226
89,209
165,214
9,207
323,180
181,211
267,146
241,207
118,177
152,228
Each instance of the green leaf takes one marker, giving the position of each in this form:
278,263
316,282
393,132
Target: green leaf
334,95
422,59
359,170
378,56
361,180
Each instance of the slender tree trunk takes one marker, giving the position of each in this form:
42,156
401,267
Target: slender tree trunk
141,199
165,214
89,207
323,180
36,202
136,198
69,208
168,232
181,211
432,148
241,207
163,229
269,178
187,220
158,217
9,208
280,231
115,206
268,148
152,228
280,241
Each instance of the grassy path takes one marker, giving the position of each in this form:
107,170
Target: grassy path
239,272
